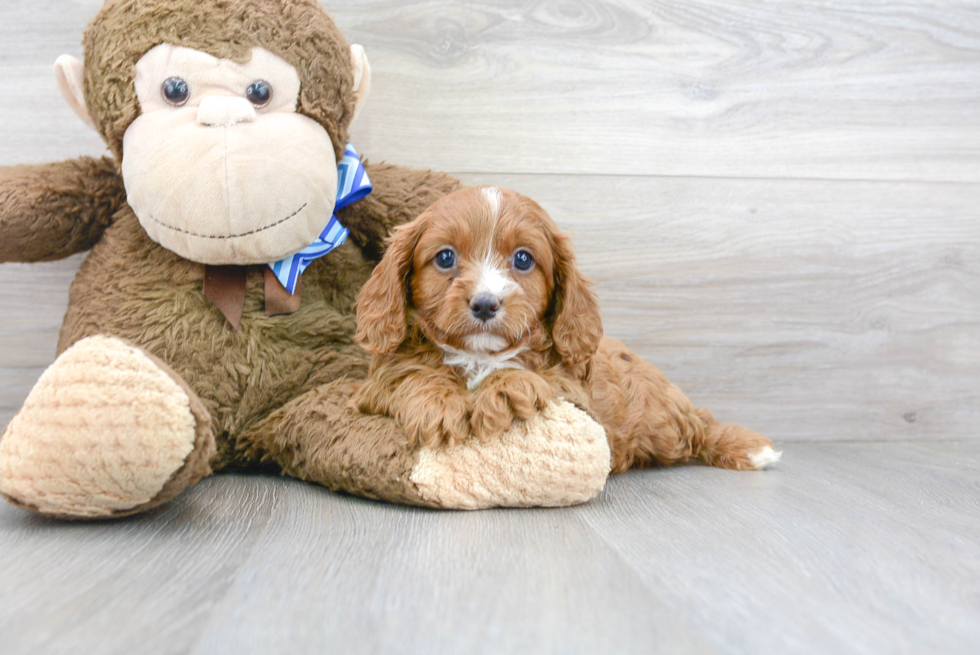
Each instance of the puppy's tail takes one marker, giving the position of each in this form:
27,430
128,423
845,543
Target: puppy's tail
731,446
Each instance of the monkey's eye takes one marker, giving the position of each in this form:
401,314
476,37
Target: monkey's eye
445,259
175,91
259,93
523,260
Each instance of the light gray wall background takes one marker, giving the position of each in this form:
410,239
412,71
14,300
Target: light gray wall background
779,201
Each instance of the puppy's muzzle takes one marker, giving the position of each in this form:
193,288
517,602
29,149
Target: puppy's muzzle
484,307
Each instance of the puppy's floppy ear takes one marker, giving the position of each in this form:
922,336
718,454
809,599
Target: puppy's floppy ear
576,326
382,304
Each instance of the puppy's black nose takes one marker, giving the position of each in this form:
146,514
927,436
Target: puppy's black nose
484,307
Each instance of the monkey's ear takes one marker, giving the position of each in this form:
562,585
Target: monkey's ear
69,73
362,77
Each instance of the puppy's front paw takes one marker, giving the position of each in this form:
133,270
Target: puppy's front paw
443,419
505,396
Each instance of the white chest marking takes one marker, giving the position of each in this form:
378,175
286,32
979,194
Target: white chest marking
476,366
485,343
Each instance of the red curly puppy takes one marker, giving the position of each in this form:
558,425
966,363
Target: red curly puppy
477,315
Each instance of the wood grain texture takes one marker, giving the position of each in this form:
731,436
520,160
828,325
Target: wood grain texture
842,89
797,89
809,309
805,309
843,548
37,126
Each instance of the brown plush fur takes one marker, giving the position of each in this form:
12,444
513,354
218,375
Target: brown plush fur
54,210
240,376
417,317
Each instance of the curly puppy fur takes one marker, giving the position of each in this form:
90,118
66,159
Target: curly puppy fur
478,315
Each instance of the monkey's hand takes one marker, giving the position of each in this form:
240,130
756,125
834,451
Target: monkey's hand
55,210
505,395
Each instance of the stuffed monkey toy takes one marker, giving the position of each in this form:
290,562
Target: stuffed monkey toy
230,231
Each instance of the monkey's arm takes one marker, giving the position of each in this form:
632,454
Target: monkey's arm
400,194
558,458
51,211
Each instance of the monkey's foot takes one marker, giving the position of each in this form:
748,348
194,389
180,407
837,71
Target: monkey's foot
560,457
108,430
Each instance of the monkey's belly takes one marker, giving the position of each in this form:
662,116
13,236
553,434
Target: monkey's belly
130,287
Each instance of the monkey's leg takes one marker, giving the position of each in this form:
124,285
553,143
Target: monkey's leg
558,458
107,431
650,420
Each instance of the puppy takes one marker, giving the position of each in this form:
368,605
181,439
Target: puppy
477,316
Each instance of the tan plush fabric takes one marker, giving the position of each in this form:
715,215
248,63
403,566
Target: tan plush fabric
69,75
103,430
207,180
559,458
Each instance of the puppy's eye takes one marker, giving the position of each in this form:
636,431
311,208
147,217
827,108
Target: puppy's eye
523,260
445,259
175,91
259,93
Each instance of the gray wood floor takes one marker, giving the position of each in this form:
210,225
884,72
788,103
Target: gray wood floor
781,205
844,548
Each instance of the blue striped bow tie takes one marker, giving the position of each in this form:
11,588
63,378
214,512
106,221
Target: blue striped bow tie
353,184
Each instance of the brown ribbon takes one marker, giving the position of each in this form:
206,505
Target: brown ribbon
277,299
225,287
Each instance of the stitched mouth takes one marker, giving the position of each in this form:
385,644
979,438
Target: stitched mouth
228,236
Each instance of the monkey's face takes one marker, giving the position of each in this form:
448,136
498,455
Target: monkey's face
219,167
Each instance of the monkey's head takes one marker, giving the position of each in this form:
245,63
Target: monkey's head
228,118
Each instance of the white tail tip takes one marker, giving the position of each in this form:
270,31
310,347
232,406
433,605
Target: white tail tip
764,458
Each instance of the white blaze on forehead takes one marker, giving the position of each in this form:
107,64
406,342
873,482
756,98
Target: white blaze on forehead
491,195
493,280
